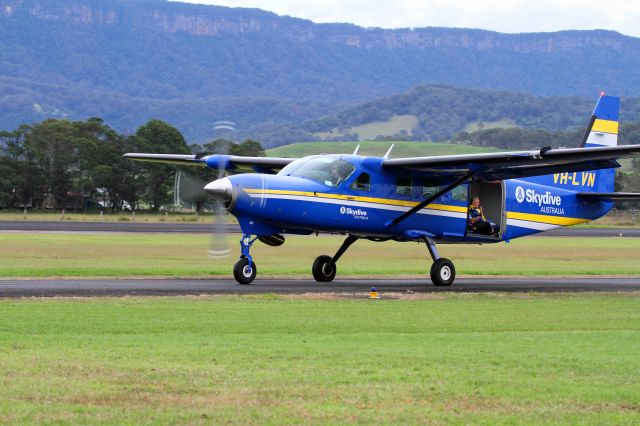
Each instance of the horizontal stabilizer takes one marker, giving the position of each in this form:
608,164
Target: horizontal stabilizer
610,196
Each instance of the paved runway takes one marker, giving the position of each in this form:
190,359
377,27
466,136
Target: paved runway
164,227
170,287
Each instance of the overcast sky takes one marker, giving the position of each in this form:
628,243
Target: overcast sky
511,16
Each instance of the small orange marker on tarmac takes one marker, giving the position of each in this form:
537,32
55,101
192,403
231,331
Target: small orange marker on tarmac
373,293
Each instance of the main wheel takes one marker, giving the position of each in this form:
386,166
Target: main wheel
323,269
443,272
243,273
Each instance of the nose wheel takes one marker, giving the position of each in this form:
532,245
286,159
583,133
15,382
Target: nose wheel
443,273
245,271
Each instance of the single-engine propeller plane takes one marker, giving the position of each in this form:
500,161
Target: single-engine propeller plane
416,199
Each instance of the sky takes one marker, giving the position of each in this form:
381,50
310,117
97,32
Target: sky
510,16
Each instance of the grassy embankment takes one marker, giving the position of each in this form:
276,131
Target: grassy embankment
375,148
463,359
122,255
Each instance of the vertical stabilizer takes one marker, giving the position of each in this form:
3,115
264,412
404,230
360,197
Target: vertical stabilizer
603,126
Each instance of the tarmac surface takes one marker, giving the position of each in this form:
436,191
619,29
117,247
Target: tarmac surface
196,228
11,288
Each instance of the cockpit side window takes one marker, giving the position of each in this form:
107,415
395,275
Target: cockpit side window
362,182
330,171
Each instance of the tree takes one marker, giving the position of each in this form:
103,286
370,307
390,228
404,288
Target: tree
52,146
159,137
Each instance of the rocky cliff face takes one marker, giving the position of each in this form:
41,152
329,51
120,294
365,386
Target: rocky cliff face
215,21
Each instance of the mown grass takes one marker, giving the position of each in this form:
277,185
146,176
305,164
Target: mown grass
463,359
123,255
143,217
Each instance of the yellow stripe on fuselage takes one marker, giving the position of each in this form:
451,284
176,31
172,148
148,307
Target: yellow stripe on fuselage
543,218
387,201
605,126
553,220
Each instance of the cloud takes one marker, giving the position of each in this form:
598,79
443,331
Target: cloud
512,16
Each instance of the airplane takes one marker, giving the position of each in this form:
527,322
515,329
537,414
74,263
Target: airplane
425,199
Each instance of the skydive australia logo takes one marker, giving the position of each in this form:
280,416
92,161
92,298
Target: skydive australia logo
547,202
355,213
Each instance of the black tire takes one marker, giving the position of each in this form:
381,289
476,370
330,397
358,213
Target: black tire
241,273
323,269
443,273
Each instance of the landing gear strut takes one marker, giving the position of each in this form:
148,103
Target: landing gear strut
244,271
443,273
324,267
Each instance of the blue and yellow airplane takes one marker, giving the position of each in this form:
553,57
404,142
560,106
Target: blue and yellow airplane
429,199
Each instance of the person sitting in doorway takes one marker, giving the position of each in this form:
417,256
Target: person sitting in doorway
478,224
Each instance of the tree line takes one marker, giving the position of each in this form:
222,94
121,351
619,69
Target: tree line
78,165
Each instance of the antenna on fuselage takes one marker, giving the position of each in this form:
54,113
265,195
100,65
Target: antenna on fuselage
389,151
355,151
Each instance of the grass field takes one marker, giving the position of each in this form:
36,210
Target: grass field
462,359
143,217
87,255
370,131
485,125
375,148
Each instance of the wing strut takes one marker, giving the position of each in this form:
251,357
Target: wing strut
427,201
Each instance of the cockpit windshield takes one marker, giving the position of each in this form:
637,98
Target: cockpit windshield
330,171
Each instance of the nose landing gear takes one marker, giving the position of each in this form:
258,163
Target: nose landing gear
245,271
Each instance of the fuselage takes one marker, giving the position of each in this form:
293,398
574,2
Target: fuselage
301,199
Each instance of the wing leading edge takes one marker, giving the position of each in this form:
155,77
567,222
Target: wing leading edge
232,163
516,164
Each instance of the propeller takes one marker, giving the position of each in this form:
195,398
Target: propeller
219,246
189,193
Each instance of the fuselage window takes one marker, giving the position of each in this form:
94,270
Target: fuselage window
459,193
403,186
362,183
429,188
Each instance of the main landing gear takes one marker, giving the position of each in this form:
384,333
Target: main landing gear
324,267
443,273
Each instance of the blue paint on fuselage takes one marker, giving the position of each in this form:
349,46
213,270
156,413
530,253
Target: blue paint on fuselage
283,203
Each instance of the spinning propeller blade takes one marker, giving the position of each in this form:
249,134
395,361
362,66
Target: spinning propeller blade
188,192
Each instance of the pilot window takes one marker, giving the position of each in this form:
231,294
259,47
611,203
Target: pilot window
403,186
429,188
362,182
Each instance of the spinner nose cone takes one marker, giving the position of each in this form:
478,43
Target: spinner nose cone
220,189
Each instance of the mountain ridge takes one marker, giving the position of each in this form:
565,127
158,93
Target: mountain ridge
130,61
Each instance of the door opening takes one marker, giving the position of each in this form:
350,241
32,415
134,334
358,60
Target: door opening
491,196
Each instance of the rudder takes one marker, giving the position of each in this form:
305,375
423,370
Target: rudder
603,131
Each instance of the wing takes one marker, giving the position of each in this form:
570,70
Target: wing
232,163
518,164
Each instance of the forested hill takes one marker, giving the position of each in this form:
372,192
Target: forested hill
436,112
191,65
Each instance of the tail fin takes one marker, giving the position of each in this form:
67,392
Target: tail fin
602,131
603,126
